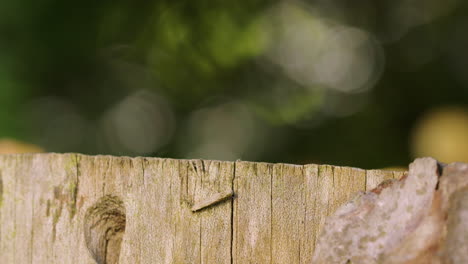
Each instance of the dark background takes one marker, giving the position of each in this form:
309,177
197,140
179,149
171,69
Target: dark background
371,84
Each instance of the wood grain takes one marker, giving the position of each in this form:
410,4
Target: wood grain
273,213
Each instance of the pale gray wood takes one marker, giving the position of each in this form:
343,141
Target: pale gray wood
311,215
375,177
186,223
100,177
216,233
346,183
420,218
252,213
57,227
287,213
397,175
324,197
7,214
175,211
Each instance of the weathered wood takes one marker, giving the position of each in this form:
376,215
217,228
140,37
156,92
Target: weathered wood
418,219
252,213
71,208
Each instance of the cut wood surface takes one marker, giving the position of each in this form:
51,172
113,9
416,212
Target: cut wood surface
72,208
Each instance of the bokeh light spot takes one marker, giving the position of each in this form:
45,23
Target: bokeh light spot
313,50
225,131
443,134
139,124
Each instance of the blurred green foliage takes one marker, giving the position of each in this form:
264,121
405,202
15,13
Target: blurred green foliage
307,81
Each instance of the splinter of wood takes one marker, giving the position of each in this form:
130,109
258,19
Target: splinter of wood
215,199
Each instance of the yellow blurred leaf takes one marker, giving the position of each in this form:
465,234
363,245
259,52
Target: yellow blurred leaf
443,134
11,146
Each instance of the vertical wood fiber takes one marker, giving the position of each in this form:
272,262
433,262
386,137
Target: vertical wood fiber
275,215
252,213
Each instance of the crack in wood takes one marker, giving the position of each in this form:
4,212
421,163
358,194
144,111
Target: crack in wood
212,201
